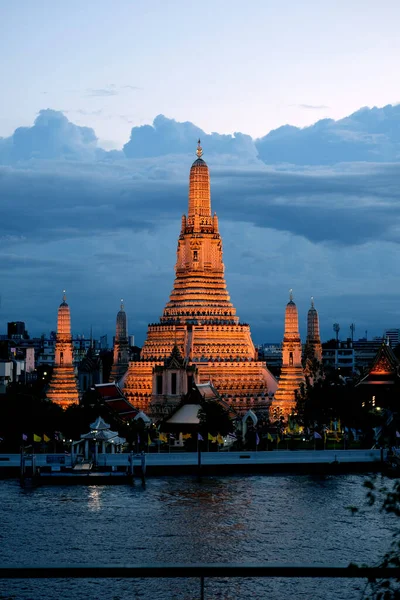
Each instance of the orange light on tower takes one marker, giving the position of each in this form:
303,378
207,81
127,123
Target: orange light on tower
199,318
63,389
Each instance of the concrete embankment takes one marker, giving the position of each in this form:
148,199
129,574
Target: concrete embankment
307,461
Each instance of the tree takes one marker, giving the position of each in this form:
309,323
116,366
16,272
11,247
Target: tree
214,418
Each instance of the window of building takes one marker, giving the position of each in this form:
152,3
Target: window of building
159,384
173,383
195,255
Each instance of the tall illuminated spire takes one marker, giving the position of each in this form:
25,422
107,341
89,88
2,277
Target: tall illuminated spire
292,371
313,341
199,192
200,319
121,346
63,388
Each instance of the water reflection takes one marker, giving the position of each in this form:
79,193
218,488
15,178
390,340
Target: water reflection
248,519
94,498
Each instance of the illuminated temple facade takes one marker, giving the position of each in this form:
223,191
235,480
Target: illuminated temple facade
292,370
63,389
199,336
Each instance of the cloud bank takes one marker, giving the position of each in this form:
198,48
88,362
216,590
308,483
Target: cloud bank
104,225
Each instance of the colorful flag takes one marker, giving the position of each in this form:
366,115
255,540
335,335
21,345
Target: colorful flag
278,439
397,434
148,439
257,439
200,437
220,439
162,437
36,438
269,437
45,438
25,437
186,436
317,436
211,438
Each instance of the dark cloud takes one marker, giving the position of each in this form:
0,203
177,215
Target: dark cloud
167,136
366,135
104,225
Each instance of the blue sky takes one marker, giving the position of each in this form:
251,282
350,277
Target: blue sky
311,208
226,66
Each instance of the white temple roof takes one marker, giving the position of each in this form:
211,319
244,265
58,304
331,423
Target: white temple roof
99,424
143,416
187,414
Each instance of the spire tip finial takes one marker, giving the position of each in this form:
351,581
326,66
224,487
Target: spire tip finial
122,304
312,301
291,295
199,150
64,296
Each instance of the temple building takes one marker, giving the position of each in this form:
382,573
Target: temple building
380,386
200,320
292,371
313,347
121,346
63,389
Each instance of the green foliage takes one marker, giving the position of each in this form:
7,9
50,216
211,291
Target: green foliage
385,494
214,419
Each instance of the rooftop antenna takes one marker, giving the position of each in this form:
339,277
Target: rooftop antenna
352,330
336,329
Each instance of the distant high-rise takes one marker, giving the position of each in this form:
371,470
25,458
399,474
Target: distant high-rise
63,389
292,371
313,341
121,346
16,330
393,335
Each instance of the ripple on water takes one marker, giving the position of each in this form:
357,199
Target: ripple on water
276,518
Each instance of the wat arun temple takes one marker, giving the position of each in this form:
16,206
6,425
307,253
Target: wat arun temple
199,336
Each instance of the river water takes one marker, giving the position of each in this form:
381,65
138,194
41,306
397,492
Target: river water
251,519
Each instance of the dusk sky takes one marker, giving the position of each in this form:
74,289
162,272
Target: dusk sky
91,200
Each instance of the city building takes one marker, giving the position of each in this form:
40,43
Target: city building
379,388
271,352
63,388
16,330
291,376
341,356
365,352
90,371
121,346
393,335
200,319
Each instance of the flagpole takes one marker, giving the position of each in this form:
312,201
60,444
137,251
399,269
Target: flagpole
198,458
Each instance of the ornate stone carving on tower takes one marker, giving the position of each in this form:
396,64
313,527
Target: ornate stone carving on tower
313,349
121,347
199,317
292,370
63,389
